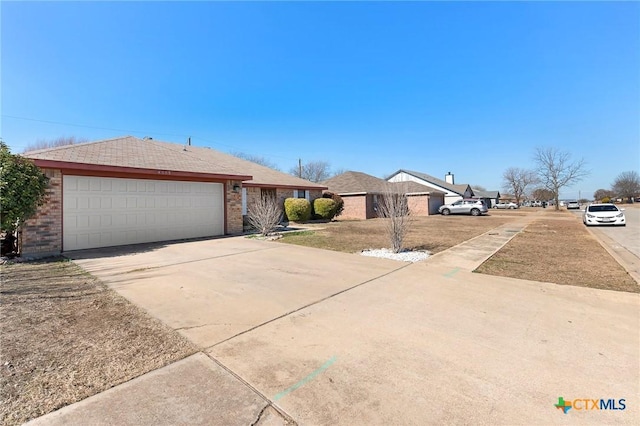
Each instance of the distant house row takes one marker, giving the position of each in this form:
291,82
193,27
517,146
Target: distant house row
128,190
425,193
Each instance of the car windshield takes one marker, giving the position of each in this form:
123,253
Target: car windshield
603,209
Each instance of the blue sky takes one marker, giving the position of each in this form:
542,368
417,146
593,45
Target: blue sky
466,87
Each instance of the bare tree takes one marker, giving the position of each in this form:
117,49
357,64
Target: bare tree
556,170
517,180
394,209
314,171
627,185
263,161
54,143
264,214
601,194
542,194
339,171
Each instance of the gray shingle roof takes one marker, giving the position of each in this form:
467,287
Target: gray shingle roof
361,183
458,189
486,194
151,154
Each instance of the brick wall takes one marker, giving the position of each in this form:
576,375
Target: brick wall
234,207
355,207
418,205
41,235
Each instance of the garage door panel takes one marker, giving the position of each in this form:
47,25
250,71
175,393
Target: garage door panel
101,212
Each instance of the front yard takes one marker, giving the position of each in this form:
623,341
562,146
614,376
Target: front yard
65,336
559,250
431,233
555,248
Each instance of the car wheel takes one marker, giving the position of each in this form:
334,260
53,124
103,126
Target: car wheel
445,212
475,212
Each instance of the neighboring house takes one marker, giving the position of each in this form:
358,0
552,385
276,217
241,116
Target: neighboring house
490,198
127,190
452,191
362,193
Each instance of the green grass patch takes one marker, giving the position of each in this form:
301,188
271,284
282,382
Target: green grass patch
297,234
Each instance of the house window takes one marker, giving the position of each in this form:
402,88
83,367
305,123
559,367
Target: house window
300,193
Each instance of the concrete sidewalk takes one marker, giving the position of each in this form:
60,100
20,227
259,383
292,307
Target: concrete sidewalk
192,391
392,343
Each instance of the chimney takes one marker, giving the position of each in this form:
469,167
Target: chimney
449,179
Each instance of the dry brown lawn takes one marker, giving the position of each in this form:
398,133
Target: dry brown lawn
65,336
432,233
558,249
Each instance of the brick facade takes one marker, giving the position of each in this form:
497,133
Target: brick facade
358,207
234,207
418,205
41,235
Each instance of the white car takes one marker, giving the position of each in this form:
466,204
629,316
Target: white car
505,206
603,214
573,205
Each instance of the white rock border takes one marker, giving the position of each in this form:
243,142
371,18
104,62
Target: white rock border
403,256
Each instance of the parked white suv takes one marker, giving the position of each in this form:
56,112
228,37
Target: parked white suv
466,206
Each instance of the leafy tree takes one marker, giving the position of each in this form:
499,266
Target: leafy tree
627,185
602,194
257,159
22,189
54,143
516,181
556,170
314,171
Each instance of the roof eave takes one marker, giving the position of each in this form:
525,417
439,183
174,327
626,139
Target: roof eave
65,165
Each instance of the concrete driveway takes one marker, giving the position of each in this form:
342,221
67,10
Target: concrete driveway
334,338
214,289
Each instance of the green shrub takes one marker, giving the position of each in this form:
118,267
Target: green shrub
338,200
606,200
324,208
297,209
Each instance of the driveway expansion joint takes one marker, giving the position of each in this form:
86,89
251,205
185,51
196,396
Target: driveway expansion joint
308,305
268,401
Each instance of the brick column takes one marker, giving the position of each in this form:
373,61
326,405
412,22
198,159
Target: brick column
41,236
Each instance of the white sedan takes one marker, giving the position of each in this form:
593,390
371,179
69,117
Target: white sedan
603,214
504,205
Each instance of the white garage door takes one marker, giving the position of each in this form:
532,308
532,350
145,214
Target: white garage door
103,212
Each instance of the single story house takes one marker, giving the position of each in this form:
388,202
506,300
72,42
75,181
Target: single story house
361,194
128,190
453,192
490,198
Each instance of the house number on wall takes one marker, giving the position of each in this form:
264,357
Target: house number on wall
164,172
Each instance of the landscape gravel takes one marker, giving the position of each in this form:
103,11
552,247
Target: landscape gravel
404,256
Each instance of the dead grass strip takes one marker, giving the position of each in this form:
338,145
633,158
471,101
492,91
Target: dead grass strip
560,252
66,336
